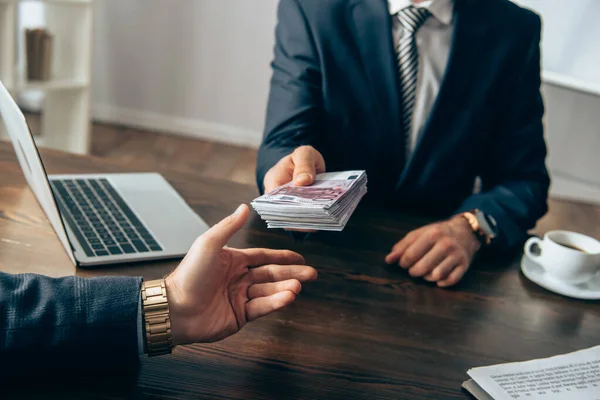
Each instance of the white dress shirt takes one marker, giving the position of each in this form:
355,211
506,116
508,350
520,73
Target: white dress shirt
434,40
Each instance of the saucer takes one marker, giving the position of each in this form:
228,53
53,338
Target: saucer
586,291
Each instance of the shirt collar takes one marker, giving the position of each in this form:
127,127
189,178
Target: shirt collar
442,10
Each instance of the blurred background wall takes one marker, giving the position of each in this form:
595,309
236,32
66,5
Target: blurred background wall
197,67
571,63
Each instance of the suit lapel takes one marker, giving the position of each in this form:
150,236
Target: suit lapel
373,33
469,40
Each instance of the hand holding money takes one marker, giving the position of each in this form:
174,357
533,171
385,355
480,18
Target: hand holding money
327,204
301,167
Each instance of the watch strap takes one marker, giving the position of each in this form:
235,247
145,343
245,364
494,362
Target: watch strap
157,320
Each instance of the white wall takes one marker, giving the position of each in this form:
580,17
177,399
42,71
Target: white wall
198,67
571,63
573,135
571,40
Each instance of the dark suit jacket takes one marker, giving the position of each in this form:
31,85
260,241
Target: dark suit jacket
44,321
334,87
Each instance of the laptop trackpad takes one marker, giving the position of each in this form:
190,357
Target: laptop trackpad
164,212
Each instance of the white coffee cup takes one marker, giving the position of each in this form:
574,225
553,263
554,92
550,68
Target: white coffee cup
569,256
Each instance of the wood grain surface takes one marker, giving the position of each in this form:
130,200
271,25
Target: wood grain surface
363,330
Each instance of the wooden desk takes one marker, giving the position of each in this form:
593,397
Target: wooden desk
362,331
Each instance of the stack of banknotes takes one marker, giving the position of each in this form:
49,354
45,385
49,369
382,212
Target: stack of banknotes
326,205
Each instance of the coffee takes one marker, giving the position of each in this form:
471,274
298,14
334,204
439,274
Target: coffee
568,256
572,247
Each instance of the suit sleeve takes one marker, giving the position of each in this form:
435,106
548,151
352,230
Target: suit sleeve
515,180
47,320
294,106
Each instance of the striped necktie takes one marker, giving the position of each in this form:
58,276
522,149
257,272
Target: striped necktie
411,18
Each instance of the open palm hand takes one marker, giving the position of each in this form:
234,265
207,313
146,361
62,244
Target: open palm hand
216,290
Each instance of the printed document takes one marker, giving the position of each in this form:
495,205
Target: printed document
564,377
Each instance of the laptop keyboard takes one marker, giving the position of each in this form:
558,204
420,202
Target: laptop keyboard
99,217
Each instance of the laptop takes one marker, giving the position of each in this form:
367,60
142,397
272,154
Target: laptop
104,219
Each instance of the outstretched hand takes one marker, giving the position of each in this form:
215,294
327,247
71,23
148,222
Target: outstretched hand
216,290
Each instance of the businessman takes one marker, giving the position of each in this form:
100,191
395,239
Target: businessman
213,293
426,96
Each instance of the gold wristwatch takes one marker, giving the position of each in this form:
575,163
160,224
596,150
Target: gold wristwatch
483,225
157,321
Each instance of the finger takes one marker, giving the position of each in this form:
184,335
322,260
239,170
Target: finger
400,247
276,273
410,237
454,277
258,257
416,251
272,182
307,161
270,288
218,236
441,272
262,306
279,175
429,262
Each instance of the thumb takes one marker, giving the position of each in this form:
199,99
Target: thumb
304,166
218,236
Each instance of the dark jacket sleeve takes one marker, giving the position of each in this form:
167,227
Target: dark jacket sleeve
515,180
44,319
295,103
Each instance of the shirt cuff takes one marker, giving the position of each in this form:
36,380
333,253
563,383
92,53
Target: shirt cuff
139,325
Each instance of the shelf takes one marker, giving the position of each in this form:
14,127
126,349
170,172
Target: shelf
57,84
7,42
68,2
65,103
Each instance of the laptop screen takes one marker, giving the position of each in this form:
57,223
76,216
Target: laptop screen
31,164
